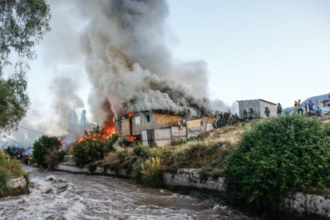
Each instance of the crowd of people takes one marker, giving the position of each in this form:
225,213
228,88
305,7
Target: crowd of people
308,107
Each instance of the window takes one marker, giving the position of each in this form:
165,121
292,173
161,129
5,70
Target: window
137,120
147,118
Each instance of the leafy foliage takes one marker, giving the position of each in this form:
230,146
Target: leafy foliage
88,152
278,156
151,172
22,25
14,101
42,146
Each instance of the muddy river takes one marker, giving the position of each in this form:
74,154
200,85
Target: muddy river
58,195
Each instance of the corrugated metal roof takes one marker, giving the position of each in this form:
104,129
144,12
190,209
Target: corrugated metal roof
257,100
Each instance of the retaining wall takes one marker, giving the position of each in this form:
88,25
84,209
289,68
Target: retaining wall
18,186
192,179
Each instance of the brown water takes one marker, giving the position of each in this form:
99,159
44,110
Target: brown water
72,196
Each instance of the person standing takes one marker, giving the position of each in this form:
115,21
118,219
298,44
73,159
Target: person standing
245,115
279,109
299,107
251,114
267,112
310,106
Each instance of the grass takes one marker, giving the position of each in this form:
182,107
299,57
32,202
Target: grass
9,168
208,152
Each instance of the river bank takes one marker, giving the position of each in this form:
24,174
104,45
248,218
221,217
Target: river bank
187,180
62,195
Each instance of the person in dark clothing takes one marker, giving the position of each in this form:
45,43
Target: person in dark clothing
279,109
245,114
300,110
267,112
251,112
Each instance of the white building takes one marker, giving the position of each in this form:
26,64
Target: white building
258,106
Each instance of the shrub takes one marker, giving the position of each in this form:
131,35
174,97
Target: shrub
54,156
141,151
278,156
151,172
41,148
88,152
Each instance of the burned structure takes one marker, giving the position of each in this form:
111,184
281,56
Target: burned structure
159,128
258,106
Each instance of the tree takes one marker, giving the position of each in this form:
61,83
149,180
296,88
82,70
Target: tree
22,26
41,148
279,156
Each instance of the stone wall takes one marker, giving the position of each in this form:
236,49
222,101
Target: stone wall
18,186
193,179
309,203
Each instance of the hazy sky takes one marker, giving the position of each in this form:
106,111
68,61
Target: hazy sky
274,50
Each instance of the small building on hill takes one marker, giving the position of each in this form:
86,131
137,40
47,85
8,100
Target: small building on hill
258,106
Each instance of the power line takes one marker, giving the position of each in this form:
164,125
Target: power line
31,130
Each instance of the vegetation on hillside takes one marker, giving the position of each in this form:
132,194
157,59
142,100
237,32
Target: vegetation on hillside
278,156
208,151
9,168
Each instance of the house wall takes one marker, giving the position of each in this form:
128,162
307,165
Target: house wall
254,104
157,120
207,120
122,127
272,109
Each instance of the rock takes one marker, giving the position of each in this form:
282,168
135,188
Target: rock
62,188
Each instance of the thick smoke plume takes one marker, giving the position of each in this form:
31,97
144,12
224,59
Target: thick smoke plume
129,63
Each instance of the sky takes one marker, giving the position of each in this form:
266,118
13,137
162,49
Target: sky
274,50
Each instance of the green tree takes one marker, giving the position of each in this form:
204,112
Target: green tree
277,157
41,148
22,26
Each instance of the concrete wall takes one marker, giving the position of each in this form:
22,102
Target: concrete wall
192,178
258,106
309,203
272,109
246,105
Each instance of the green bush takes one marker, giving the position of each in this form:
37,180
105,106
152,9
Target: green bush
88,152
54,156
141,151
41,147
277,157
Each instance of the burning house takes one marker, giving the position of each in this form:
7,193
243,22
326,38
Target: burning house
159,128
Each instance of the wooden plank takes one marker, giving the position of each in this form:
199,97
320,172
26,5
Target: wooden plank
194,123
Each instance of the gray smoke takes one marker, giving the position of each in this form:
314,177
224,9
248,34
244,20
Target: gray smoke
65,101
129,63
